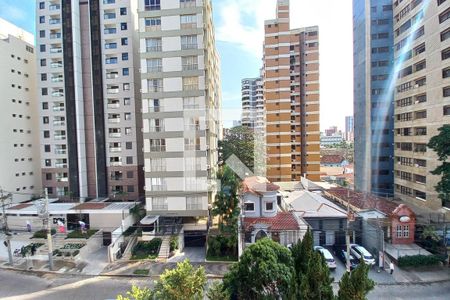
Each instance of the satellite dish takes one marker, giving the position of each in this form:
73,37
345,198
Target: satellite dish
404,219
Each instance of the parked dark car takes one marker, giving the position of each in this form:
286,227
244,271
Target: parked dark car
340,252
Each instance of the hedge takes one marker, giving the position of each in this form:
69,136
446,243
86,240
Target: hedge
173,243
146,249
42,234
419,260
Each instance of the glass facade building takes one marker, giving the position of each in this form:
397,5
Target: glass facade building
373,95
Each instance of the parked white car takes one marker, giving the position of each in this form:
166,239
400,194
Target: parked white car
331,263
359,252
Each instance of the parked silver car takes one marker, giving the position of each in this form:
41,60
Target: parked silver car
359,252
331,263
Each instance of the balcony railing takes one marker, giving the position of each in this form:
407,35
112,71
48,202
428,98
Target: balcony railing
109,1
115,149
58,108
57,79
59,137
54,7
54,21
112,75
57,94
56,65
60,151
113,105
59,123
109,16
62,179
60,165
56,50
114,120
110,30
115,134
55,35
115,163
113,91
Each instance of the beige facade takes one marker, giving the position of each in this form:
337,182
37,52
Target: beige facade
19,136
422,96
291,94
180,106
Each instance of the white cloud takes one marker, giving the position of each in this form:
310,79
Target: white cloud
13,13
242,23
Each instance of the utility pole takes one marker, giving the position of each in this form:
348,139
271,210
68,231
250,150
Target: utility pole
49,233
5,226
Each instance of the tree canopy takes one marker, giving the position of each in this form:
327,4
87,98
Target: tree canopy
265,270
357,284
441,145
239,141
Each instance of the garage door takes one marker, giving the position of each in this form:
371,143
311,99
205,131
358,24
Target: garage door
194,239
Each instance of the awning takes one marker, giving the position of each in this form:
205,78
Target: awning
148,220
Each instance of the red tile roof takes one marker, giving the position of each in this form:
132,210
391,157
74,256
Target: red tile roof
331,159
258,185
20,206
282,221
91,205
362,201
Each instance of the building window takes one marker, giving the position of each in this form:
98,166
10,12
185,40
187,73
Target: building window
447,110
154,65
42,19
155,85
42,33
154,105
154,22
44,105
190,83
130,188
124,41
43,77
446,72
188,21
446,91
157,145
48,176
129,160
189,103
123,11
153,45
47,148
126,86
187,3
158,184
152,4
445,34
125,71
43,62
157,164
445,54
42,48
44,91
128,145
46,134
249,206
159,203
126,101
444,16
189,63
41,5
189,42
269,206
123,26
194,203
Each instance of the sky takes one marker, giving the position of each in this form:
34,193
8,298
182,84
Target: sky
239,28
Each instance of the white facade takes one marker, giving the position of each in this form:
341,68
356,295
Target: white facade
19,136
253,112
180,106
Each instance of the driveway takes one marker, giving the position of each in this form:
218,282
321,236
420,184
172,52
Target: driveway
96,262
194,254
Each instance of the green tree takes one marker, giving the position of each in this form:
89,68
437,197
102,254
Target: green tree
357,284
182,283
217,291
136,293
239,141
311,271
265,271
441,145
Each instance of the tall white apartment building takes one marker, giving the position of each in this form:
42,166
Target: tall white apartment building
19,136
89,98
253,114
180,105
422,97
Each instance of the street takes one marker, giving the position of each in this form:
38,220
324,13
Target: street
19,285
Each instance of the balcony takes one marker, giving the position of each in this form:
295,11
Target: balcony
114,105
109,1
111,46
115,135
112,75
54,21
57,79
115,163
108,16
60,165
115,149
110,30
112,90
54,7
110,61
59,137
55,36
58,108
56,50
60,151
59,123
57,94
116,177
114,120
56,65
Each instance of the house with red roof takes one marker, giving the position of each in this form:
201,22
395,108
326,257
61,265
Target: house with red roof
262,217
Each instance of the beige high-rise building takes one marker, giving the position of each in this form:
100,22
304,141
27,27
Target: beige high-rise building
291,94
181,107
422,96
19,136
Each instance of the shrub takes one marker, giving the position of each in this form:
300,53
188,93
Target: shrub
130,230
42,234
75,253
141,272
419,260
56,252
173,243
73,246
67,254
146,250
